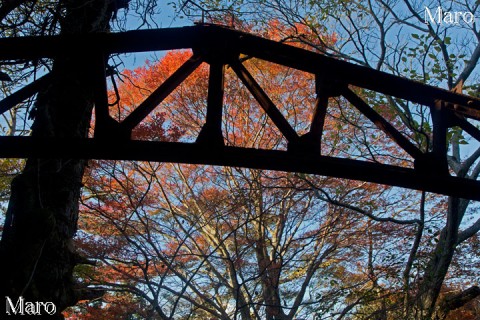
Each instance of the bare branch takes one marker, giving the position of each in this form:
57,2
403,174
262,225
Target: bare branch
10,5
470,66
326,197
469,232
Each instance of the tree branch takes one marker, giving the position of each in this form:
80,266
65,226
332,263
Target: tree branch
326,197
10,5
465,166
412,256
469,232
456,301
472,63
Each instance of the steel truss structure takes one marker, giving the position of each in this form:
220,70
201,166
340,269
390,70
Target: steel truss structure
219,46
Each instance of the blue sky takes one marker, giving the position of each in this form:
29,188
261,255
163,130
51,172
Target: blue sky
166,18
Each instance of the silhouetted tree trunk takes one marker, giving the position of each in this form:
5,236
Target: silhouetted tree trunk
439,262
429,305
38,257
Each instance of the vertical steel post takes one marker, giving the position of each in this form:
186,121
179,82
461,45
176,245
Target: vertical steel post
99,77
440,128
311,141
211,133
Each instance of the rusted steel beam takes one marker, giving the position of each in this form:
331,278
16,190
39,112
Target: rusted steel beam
156,97
323,92
22,94
349,73
105,126
468,127
267,105
237,42
464,111
23,147
211,133
381,123
440,127
123,42
311,142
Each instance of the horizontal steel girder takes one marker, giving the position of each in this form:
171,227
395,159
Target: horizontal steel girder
208,37
29,147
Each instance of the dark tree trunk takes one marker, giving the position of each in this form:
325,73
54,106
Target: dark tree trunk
36,249
440,261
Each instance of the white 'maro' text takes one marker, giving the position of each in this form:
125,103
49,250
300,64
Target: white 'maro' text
440,16
22,307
